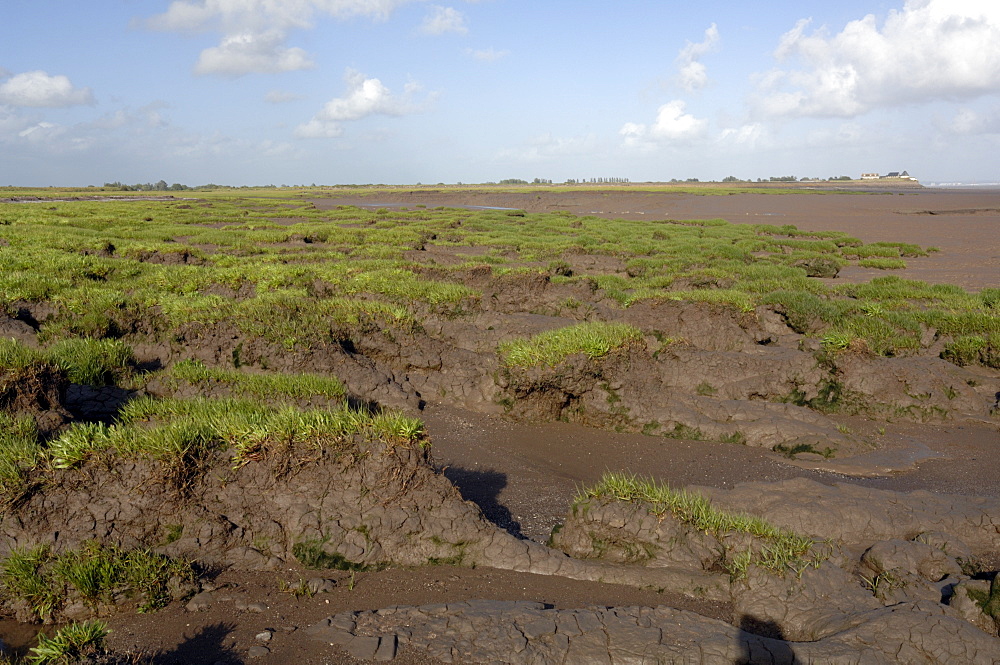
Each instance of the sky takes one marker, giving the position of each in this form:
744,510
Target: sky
300,92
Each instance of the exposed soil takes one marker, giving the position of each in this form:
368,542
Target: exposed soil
524,475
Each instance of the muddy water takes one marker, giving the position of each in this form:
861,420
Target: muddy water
16,638
524,476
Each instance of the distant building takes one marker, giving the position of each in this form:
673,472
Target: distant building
891,175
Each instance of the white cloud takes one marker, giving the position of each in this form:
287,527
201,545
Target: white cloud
929,50
252,53
672,125
750,135
442,20
39,89
487,55
239,15
255,32
693,74
365,97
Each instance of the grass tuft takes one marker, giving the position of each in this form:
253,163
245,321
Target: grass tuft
780,549
593,339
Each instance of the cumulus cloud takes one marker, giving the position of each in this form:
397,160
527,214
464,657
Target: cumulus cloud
746,136
672,125
252,53
238,15
487,55
255,32
929,50
39,89
365,97
442,20
693,75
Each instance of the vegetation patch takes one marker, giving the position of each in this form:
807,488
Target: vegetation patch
95,574
779,549
179,434
96,362
593,339
256,385
311,554
75,642
293,270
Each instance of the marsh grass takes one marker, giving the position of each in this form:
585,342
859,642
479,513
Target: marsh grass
260,386
70,644
593,339
284,259
95,574
179,433
779,550
20,453
96,362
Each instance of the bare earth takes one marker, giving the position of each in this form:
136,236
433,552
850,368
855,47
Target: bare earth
524,476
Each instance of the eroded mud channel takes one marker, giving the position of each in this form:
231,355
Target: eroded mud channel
288,432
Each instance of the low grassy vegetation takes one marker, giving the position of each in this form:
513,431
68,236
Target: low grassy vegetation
178,433
271,264
94,574
255,385
75,642
96,362
776,549
593,339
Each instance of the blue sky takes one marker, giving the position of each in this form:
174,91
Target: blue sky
405,91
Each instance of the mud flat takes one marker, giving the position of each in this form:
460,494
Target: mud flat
702,483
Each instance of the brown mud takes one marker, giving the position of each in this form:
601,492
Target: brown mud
493,437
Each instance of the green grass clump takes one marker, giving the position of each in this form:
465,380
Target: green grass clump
20,453
16,356
971,350
95,362
70,644
178,432
780,549
593,339
261,386
883,263
95,574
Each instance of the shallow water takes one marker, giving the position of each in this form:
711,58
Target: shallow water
16,637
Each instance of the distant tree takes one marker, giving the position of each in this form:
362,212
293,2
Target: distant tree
731,178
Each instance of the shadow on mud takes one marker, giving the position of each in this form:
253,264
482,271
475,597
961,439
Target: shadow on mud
206,645
762,641
483,487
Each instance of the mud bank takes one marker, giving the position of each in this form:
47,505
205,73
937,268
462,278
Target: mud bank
830,571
